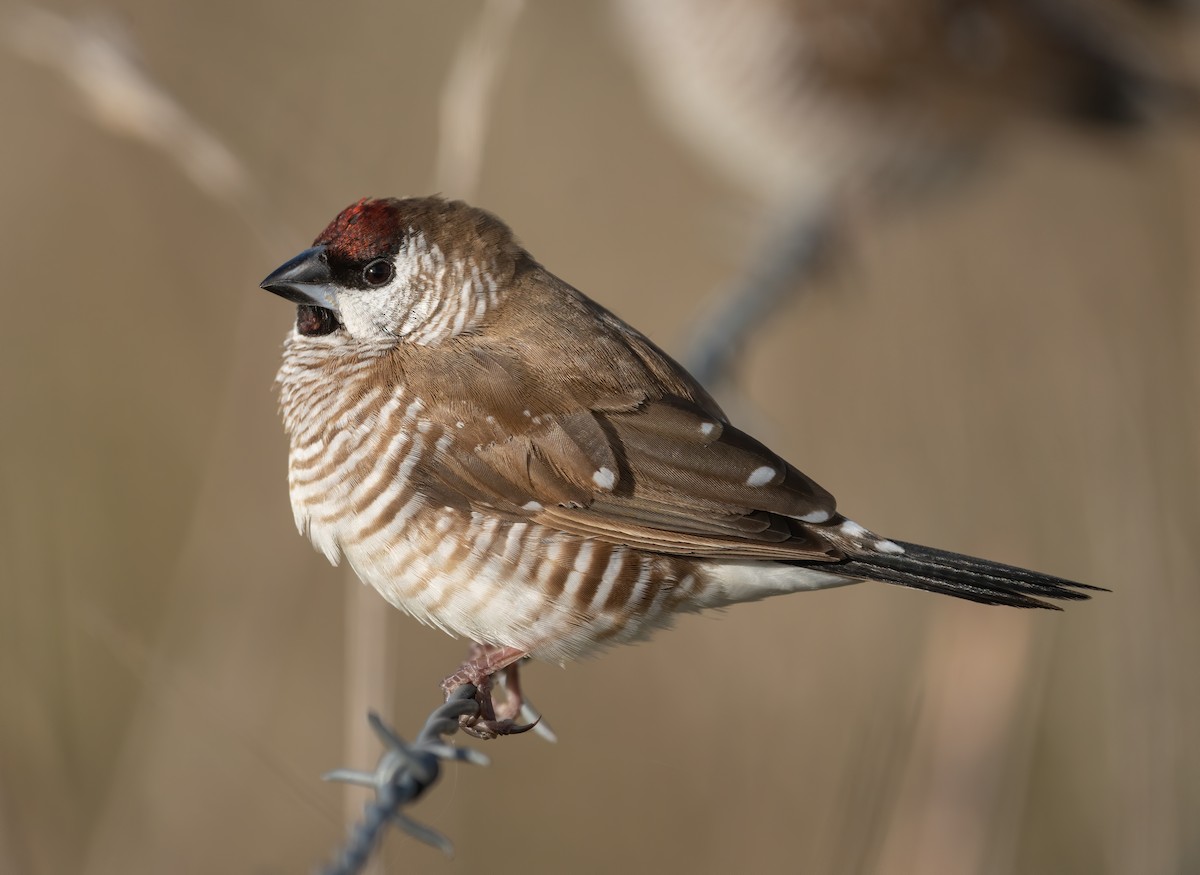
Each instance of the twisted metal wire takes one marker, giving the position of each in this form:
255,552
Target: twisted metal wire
402,775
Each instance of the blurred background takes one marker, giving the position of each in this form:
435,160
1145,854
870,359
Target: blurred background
1011,371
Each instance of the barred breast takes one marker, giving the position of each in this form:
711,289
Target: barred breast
357,450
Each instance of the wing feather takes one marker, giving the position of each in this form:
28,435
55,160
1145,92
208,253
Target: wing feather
649,478
619,444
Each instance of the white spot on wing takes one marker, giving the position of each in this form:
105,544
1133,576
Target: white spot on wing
851,529
532,506
605,479
817,516
762,476
888,547
706,428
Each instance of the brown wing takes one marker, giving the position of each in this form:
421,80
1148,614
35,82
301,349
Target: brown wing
608,438
664,476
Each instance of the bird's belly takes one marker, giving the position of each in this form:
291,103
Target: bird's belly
554,595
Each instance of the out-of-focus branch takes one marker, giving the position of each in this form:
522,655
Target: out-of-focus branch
96,61
794,253
467,95
811,106
950,815
122,98
403,774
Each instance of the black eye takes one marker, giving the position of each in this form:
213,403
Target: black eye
378,272
315,321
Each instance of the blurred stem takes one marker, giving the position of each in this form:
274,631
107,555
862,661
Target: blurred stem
794,253
949,816
467,95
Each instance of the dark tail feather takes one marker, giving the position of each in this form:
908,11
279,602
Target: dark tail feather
964,577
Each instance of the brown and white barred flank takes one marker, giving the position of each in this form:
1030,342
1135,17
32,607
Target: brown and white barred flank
506,460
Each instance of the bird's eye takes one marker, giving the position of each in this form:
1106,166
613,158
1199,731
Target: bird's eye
378,272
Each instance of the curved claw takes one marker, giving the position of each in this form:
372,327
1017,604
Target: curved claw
489,729
527,712
538,723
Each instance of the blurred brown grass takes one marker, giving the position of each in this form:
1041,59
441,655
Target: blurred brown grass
1013,373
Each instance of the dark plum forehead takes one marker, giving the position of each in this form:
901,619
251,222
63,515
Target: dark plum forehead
375,228
365,230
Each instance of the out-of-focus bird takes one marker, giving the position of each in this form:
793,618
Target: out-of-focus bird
503,458
813,104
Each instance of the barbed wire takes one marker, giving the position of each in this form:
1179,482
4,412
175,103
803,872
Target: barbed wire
402,775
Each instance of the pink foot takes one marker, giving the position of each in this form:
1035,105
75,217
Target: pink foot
484,663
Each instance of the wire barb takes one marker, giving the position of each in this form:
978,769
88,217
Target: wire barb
402,775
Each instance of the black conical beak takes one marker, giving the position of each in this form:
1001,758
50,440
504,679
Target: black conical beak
305,280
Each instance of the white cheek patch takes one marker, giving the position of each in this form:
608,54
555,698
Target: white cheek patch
408,303
429,299
368,313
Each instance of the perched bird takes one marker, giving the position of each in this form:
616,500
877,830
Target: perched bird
503,458
817,106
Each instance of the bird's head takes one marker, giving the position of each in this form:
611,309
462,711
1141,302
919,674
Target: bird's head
417,270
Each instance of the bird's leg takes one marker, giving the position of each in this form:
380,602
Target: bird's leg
517,706
483,663
514,702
